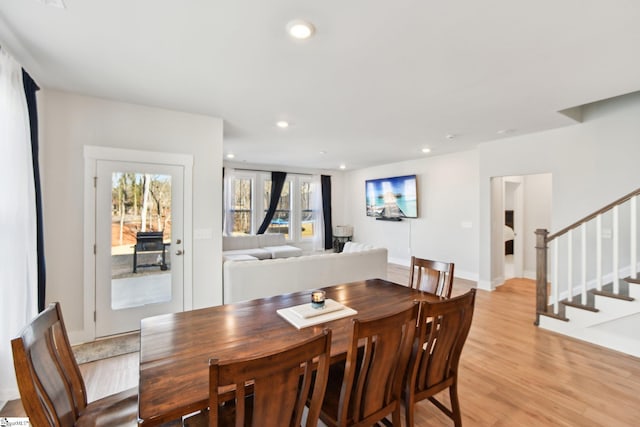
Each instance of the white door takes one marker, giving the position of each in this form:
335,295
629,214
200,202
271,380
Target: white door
139,243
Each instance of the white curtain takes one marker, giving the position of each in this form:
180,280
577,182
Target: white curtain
18,244
229,178
318,218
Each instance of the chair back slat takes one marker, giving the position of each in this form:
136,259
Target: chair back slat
435,277
374,373
448,326
67,360
443,329
281,384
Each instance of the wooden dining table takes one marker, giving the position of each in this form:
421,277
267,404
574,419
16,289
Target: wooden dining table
175,348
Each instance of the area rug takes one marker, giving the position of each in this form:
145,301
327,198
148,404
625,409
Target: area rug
107,347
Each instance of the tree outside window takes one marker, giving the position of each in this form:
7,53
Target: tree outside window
281,219
242,209
295,216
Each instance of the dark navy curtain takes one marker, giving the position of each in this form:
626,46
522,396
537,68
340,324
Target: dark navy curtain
277,183
325,181
30,89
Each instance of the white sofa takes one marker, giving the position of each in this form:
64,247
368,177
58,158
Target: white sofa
261,246
258,279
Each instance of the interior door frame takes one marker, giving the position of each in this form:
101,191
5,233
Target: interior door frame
498,191
517,183
91,156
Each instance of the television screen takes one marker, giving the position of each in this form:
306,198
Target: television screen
394,197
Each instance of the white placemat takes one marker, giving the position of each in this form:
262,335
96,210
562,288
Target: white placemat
304,315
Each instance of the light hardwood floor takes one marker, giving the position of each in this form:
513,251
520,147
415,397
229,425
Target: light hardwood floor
512,373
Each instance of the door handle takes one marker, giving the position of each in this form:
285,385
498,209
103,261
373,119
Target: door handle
179,252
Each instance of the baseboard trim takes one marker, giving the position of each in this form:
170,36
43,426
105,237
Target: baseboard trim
107,347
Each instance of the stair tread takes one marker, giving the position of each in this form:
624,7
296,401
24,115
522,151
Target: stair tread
576,300
581,306
612,295
623,288
554,316
632,280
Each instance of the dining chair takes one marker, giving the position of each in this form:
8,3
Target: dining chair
270,390
436,355
52,390
435,277
365,388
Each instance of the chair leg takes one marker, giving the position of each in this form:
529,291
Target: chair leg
409,407
135,260
395,417
201,419
455,405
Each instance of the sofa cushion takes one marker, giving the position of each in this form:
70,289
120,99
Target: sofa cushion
283,251
270,239
232,243
259,253
350,247
239,257
261,246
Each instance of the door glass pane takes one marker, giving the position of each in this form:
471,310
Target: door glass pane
281,218
140,239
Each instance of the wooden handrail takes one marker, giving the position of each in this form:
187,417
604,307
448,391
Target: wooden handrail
542,240
620,201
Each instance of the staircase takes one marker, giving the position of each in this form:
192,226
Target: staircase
587,284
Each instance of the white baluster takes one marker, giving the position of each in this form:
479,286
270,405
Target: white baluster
583,232
616,261
555,285
634,235
599,252
570,265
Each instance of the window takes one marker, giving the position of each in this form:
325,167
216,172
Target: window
307,217
281,218
241,209
248,202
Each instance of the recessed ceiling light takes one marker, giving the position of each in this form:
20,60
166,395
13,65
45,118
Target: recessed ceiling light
230,156
282,124
426,150
299,29
343,166
450,136
323,152
505,131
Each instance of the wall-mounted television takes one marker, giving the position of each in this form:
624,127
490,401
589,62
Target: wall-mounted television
393,198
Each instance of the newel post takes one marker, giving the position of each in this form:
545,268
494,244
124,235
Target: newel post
541,273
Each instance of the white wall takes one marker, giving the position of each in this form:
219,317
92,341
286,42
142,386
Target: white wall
447,225
496,225
67,123
592,164
588,165
537,214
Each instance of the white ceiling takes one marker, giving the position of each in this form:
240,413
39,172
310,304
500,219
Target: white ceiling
379,81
